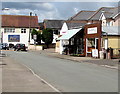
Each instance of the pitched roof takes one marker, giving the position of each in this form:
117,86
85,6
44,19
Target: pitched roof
54,24
19,21
109,12
82,15
73,25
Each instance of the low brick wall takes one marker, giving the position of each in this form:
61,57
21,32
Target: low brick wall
33,47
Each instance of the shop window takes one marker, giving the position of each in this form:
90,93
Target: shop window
23,30
90,44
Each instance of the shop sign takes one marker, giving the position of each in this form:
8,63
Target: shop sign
35,37
94,52
92,30
13,38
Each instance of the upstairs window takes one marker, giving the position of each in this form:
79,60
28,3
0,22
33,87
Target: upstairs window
9,30
23,30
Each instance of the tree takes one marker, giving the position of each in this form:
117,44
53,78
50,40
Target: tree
39,36
47,36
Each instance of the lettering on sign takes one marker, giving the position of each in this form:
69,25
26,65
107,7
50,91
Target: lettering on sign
92,30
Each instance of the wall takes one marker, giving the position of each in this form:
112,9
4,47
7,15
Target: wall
117,21
113,42
94,35
33,47
57,47
23,36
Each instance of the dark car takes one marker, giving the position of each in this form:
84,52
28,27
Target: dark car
20,47
4,46
11,45
0,46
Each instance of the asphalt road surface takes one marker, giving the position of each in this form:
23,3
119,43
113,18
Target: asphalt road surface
69,76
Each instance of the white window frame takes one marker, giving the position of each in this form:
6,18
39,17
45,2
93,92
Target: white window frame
23,30
9,30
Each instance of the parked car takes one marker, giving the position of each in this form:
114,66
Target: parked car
20,47
4,46
11,45
0,46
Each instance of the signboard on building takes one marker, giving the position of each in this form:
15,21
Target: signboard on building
94,52
35,37
13,38
92,30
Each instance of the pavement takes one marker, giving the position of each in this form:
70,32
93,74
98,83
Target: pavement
110,63
18,78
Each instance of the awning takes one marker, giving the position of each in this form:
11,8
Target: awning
69,34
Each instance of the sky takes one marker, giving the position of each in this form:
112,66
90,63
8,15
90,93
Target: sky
52,10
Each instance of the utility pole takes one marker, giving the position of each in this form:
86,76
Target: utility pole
29,27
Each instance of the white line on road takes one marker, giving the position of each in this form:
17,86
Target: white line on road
43,80
110,66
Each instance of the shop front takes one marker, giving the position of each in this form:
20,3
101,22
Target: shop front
92,40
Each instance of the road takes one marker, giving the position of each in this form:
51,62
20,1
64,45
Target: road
69,76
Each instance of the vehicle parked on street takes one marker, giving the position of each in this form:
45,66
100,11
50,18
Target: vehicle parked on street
11,45
0,46
20,47
4,46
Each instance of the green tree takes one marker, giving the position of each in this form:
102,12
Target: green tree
47,36
39,37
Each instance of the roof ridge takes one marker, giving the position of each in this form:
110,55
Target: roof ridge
95,12
87,11
18,15
99,10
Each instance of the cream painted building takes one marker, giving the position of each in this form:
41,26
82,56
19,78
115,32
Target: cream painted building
111,30
17,29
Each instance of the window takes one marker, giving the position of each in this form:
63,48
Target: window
56,32
23,30
9,30
111,23
90,44
108,23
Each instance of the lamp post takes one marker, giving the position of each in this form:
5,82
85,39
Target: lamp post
29,27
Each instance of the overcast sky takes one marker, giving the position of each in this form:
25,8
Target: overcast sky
52,10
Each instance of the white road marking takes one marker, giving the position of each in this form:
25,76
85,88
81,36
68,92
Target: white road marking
43,80
109,66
